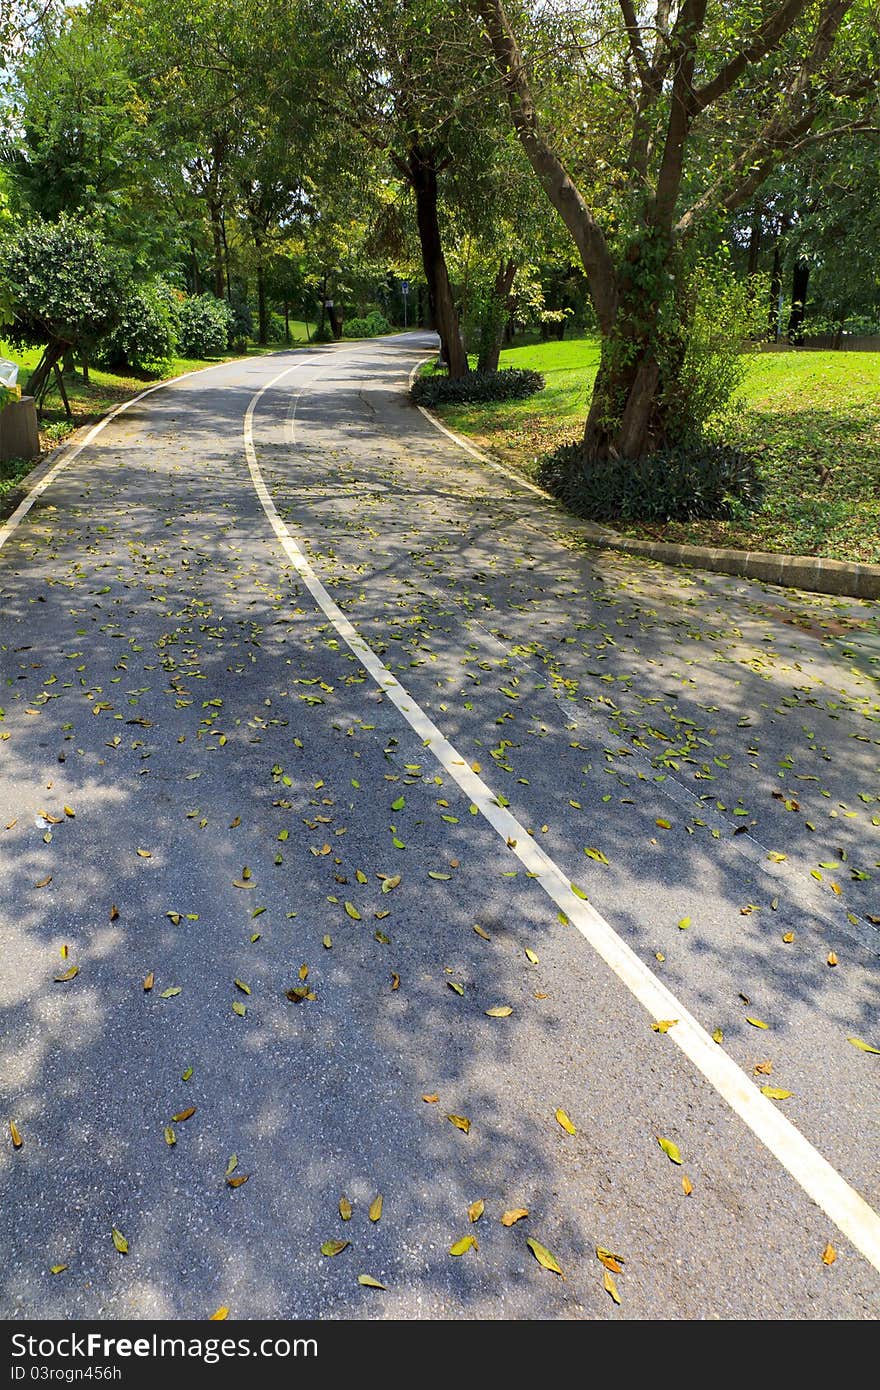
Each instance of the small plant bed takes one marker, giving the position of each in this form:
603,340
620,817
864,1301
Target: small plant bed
810,419
509,384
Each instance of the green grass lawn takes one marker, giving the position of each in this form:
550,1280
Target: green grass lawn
812,419
89,401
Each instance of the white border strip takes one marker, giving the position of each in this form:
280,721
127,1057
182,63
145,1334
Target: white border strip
841,1203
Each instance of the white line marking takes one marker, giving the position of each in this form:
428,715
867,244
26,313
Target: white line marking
14,521
846,1208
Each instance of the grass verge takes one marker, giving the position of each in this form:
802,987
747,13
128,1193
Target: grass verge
811,418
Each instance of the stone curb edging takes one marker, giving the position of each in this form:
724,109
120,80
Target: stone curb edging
809,572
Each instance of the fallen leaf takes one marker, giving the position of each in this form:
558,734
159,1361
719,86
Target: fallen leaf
327,942
479,930
238,1181
69,811
220,1314
687,1186
149,981
70,974
334,1247
670,1149
15,1135
231,1165
58,1269
369,1282
565,1122
239,1008
775,1093
595,854
684,923
530,956
764,1068
663,1025
170,992
664,825
460,1122
44,882
240,984
756,1022
430,1100
476,1209
832,959
462,1246
610,1286
174,917
611,1261
543,1256
375,1211
345,1208
170,1136
511,1217
863,1046
119,1241
829,1255
114,913
184,1114
500,1011
145,853
718,1036
788,937
352,912
395,981
455,986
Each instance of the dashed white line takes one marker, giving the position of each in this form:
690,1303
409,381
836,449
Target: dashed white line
815,1175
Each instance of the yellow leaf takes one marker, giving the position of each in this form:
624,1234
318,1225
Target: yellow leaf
462,1246
455,986
460,1122
530,955
670,1149
184,1114
756,1022
718,1036
430,1100
775,1093
174,917
231,1165
334,1247
119,1241
240,984
70,974
776,857
376,1208
170,992
15,1135
369,1282
863,1046
610,1286
69,811
664,825
303,972
832,958
238,1181
788,937
663,1025
170,1136
149,981
511,1217
352,912
829,1255
327,942
345,1208
684,923
58,1269
686,1185
395,981
239,1008
220,1314
360,875
611,1261
145,853
476,1209
479,930
501,1011
543,1256
566,1123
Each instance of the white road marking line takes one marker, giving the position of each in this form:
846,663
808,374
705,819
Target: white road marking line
841,1203
21,511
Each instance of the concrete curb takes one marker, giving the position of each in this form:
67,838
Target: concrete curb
808,572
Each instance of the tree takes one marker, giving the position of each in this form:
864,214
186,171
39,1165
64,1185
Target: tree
682,113
66,286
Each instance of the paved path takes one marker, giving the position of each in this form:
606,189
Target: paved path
237,777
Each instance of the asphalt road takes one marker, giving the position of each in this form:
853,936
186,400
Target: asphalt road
236,777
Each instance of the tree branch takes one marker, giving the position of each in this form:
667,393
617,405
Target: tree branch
770,34
552,174
634,34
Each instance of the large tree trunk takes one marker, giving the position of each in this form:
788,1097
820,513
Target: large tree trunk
423,177
490,349
52,354
214,212
800,279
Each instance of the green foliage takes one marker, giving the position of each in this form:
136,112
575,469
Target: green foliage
702,480
373,326
66,284
511,384
146,334
323,333
204,325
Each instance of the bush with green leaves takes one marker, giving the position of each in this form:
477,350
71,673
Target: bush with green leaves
323,334
65,284
146,334
203,325
510,384
373,326
676,484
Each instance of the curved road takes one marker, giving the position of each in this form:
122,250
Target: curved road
210,800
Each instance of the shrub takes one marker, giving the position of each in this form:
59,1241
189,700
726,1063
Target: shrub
64,284
323,334
146,334
373,326
679,484
204,324
510,384
242,325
